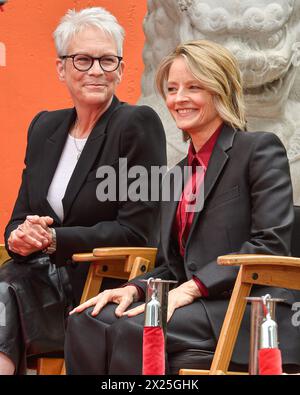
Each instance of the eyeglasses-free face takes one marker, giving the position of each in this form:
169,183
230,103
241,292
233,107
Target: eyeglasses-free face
190,104
83,62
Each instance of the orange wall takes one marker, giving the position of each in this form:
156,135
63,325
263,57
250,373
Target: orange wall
28,82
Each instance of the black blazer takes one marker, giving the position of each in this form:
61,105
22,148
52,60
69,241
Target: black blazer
247,209
123,131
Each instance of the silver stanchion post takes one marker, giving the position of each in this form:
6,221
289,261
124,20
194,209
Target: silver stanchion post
157,299
259,332
155,325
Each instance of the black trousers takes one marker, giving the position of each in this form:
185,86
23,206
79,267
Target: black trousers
109,345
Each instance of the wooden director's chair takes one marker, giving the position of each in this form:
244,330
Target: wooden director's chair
270,270
113,262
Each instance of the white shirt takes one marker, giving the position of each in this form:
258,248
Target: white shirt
63,173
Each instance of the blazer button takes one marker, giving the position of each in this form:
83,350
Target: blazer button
192,266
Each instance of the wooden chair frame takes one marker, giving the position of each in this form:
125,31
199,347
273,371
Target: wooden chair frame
113,262
270,270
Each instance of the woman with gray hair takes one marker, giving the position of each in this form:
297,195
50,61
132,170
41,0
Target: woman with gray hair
59,209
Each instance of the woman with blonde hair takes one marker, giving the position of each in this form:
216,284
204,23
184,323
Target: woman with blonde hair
240,203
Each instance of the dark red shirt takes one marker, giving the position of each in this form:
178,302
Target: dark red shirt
184,219
184,215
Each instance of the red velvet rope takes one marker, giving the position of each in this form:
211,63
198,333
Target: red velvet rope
153,350
269,361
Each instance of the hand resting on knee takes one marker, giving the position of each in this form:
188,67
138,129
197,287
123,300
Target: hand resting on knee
124,297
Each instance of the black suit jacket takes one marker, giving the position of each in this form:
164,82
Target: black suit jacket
247,209
123,131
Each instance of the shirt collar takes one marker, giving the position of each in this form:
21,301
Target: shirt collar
204,154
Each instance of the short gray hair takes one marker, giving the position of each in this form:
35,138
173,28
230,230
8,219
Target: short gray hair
73,22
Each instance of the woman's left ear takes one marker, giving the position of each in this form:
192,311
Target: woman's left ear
121,71
60,69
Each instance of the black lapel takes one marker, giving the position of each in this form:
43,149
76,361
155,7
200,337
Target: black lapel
175,189
52,151
216,164
88,156
218,158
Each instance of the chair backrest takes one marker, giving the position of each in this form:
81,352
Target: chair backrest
113,262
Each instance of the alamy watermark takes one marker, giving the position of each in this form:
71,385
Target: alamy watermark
138,183
296,315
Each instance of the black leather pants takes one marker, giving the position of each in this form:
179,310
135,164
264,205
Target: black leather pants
35,299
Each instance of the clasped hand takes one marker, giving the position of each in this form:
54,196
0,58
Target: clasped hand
31,236
181,296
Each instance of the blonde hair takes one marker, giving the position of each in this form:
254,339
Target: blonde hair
219,73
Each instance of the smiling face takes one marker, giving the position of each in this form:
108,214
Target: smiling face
95,87
191,105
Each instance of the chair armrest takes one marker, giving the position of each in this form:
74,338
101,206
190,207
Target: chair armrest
129,253
84,257
257,259
115,252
